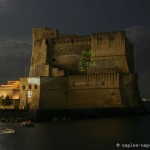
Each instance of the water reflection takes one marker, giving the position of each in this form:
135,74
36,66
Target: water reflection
91,134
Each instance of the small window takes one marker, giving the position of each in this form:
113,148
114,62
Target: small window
35,86
29,86
102,82
46,42
23,87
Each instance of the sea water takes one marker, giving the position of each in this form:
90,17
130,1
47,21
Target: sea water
90,134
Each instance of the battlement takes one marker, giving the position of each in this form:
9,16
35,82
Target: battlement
77,40
106,80
108,44
107,76
44,33
109,35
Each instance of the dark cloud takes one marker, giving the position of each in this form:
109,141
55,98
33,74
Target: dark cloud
17,47
14,57
140,37
4,4
79,16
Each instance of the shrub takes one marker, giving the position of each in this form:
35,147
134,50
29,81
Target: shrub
6,101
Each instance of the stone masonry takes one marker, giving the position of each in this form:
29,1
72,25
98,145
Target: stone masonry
71,71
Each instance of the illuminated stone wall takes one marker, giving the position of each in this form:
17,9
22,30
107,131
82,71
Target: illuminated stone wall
79,92
29,93
39,61
71,71
11,90
108,52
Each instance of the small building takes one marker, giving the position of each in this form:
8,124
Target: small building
9,94
33,89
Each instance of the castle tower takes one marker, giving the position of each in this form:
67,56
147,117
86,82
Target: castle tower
39,61
112,53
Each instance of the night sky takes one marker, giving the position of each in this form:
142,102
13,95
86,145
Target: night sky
18,17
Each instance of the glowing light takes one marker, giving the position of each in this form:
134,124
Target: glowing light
34,81
29,93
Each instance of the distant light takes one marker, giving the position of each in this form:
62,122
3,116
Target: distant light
145,99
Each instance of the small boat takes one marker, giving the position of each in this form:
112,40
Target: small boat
27,124
7,131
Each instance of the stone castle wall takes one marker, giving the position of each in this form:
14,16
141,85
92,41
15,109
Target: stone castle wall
101,65
111,52
82,91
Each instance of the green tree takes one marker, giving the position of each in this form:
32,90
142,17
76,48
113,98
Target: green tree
6,101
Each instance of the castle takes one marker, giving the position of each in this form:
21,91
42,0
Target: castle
80,72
